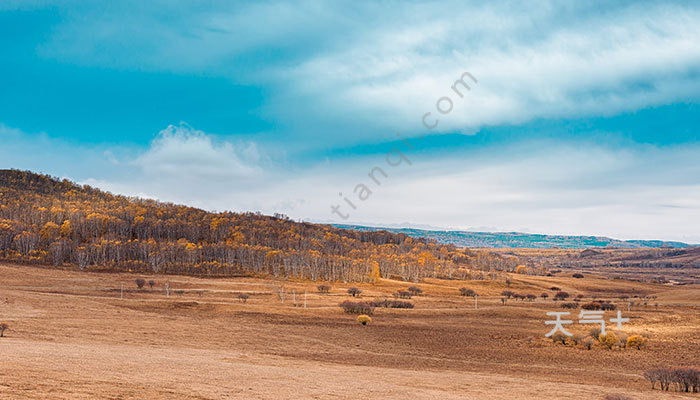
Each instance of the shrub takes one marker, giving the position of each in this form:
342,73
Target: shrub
404,294
179,292
243,297
591,306
3,328
354,292
415,290
569,306
617,396
530,297
561,296
323,288
554,289
559,337
470,292
608,340
386,303
151,283
544,296
595,333
506,293
140,283
577,339
607,306
359,307
364,319
622,340
587,342
636,342
577,275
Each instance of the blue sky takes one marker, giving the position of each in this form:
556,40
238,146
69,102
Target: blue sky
583,120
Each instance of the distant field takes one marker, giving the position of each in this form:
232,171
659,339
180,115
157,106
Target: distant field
71,336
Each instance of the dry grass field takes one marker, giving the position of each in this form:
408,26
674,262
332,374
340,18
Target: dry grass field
71,336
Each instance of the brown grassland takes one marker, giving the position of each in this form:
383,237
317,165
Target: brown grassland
70,336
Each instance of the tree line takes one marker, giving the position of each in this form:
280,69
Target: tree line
46,220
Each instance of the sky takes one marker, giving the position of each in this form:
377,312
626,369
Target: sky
549,117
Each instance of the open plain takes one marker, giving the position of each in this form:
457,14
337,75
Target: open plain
72,335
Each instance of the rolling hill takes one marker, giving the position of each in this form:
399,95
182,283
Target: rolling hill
519,240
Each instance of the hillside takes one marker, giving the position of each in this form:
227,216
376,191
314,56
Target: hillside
519,240
45,220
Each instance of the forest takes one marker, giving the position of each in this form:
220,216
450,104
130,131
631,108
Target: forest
48,221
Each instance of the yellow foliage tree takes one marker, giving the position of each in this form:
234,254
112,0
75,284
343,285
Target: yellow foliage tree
375,275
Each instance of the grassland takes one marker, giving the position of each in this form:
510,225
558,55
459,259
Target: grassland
72,335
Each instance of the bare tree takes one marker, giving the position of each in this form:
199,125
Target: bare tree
243,297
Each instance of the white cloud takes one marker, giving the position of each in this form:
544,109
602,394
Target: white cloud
366,66
528,66
183,152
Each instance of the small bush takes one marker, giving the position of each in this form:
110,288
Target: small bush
544,296
608,340
354,292
3,328
588,342
404,294
140,283
577,275
415,290
607,306
364,319
569,306
561,296
636,342
577,339
151,283
179,292
595,333
591,306
617,396
554,289
386,303
359,307
323,288
559,337
471,292
243,297
622,340
506,293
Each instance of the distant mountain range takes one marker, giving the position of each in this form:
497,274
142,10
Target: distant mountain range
519,240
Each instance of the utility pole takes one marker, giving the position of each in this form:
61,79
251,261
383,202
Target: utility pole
121,293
